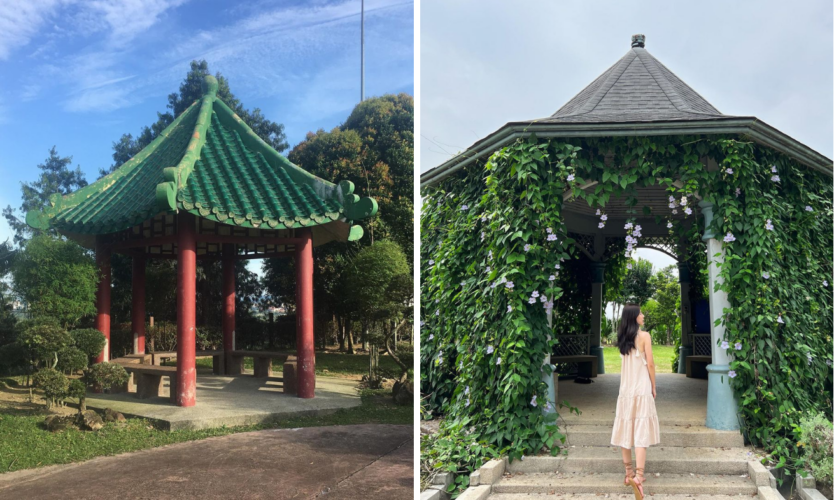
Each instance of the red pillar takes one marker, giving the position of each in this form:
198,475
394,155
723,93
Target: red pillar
138,313
304,315
186,310
228,302
103,297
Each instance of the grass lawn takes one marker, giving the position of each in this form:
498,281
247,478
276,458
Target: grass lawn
334,363
24,443
663,355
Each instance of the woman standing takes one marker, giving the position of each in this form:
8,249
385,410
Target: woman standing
635,424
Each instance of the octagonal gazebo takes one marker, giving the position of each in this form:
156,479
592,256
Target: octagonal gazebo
207,188
636,97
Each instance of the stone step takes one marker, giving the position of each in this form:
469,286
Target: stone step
664,460
670,435
602,483
614,496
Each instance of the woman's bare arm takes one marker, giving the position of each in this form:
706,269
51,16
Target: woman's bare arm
647,348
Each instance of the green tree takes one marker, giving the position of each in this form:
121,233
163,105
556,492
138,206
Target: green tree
374,149
190,90
57,278
667,294
55,177
380,280
637,286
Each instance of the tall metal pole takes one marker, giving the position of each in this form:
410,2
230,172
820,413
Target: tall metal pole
362,94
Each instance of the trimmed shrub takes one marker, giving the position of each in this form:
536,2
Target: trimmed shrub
53,383
106,375
71,359
44,341
89,340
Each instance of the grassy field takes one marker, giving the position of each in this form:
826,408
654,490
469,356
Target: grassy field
663,355
334,363
24,443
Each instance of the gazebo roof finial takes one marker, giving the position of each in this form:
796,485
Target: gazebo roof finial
638,41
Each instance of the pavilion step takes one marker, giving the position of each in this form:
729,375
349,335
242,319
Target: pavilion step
614,496
670,435
602,483
661,460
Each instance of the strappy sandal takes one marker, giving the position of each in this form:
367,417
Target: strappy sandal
629,473
637,484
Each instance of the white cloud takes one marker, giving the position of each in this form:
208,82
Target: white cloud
20,20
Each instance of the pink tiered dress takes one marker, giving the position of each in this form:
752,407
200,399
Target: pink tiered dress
635,424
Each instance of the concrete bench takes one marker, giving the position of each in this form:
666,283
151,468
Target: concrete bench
262,361
148,380
157,358
696,366
588,365
291,375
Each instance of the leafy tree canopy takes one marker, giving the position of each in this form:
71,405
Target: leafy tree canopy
57,278
55,177
637,285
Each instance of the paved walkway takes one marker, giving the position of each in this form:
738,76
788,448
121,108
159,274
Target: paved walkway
680,400
339,462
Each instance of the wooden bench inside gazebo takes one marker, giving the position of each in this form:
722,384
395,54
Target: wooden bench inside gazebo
207,188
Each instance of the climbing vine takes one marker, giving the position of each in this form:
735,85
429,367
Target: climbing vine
494,247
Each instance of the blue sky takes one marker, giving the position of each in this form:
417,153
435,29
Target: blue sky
79,74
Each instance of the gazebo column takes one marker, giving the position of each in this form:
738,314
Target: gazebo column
137,317
186,310
686,321
722,404
304,314
228,304
103,297
597,280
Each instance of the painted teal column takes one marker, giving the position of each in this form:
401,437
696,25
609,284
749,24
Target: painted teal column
597,280
686,317
722,404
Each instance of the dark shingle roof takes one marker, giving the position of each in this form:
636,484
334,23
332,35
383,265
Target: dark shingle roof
638,88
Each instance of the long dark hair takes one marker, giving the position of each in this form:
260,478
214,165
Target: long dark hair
627,331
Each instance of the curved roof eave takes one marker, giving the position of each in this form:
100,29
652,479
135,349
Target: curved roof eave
756,129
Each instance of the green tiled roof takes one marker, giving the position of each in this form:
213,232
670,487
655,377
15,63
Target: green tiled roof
207,162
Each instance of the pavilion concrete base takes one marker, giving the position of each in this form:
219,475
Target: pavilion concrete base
230,401
680,400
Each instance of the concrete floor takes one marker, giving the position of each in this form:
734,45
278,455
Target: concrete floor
348,462
241,400
680,400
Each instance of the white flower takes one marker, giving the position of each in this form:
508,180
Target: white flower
571,178
683,200
808,208
669,225
431,337
490,349
498,361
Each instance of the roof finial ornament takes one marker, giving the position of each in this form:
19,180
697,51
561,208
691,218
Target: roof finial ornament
638,41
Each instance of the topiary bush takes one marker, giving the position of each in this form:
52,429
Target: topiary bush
53,383
44,340
71,359
106,375
78,389
88,340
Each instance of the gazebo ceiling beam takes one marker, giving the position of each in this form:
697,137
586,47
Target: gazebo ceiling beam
204,238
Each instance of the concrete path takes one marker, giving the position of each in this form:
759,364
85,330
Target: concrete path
339,462
680,400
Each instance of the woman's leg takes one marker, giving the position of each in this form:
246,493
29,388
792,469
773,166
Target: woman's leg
640,454
627,463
